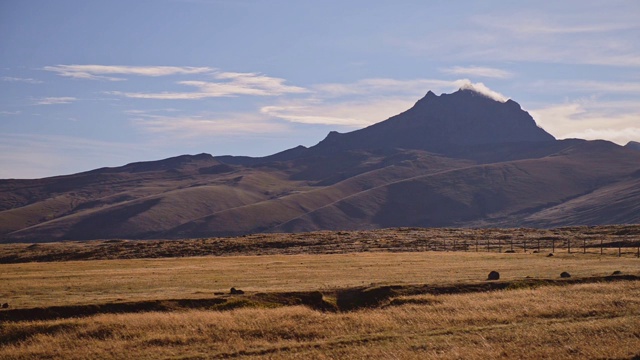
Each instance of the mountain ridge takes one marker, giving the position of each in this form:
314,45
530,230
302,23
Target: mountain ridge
457,160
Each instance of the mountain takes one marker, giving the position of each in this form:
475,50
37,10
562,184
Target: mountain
459,160
634,145
444,124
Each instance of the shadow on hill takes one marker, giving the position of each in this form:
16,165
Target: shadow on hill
94,226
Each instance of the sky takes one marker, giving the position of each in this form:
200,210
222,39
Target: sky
89,84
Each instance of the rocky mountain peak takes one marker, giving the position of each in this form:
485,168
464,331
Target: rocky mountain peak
467,117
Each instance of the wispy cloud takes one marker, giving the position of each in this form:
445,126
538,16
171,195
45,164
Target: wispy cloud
22,80
352,114
411,87
599,35
562,38
588,86
230,84
482,89
56,100
365,102
207,125
10,113
351,105
149,112
478,71
589,121
543,24
98,72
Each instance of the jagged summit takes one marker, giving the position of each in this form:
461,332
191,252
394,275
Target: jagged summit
480,89
467,117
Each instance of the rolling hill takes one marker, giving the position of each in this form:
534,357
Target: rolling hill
454,160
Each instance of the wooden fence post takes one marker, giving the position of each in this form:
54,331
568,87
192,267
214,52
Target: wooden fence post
584,246
619,248
601,243
553,245
569,246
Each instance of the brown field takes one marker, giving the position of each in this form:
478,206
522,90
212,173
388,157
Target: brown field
102,281
433,304
613,239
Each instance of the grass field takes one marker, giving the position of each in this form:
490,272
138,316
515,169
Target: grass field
597,319
88,282
589,321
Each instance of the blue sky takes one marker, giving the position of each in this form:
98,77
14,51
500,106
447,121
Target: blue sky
87,84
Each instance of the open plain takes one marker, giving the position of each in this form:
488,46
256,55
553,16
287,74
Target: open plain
373,294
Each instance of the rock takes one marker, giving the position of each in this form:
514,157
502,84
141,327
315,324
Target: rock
5,306
494,275
510,251
550,255
235,291
617,272
565,274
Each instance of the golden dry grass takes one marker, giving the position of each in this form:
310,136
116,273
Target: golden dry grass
598,320
88,282
588,321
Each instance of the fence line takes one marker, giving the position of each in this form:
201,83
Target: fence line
588,246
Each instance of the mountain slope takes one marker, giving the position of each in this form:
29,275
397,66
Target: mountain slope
269,214
458,159
617,203
500,194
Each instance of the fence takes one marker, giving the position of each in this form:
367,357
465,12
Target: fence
586,246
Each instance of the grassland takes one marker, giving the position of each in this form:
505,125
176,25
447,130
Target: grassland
590,321
102,281
434,304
